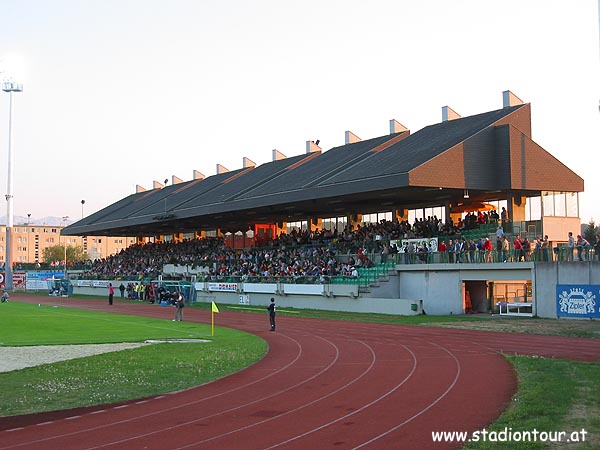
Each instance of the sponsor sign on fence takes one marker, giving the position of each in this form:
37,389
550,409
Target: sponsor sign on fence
578,300
18,280
223,287
418,243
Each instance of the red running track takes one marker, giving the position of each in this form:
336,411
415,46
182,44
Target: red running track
322,385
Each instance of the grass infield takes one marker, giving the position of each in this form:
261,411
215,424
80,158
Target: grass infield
553,395
117,376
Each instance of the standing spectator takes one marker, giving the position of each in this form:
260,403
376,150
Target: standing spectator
582,244
504,216
505,249
179,304
151,293
111,293
570,246
442,251
545,249
526,248
458,250
597,247
472,251
384,253
450,251
272,311
122,290
518,246
480,250
538,248
488,247
499,247
500,233
411,251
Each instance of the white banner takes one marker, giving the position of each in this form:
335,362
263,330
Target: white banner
419,243
223,287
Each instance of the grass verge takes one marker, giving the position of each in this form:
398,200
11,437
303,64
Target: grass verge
553,396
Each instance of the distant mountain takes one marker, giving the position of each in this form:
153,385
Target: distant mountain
49,221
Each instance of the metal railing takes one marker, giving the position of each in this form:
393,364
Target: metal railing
557,254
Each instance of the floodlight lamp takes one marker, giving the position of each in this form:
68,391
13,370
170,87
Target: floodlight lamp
12,86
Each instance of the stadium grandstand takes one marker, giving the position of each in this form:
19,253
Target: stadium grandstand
366,204
491,156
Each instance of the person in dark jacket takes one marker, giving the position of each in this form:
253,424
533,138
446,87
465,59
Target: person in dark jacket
179,304
271,309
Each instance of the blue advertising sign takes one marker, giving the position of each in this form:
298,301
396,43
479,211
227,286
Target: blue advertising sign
578,300
45,275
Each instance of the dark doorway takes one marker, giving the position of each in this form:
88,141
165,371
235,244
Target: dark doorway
477,292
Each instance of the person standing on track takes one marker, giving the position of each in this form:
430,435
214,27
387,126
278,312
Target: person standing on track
179,304
111,293
272,311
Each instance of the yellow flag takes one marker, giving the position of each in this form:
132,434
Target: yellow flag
214,307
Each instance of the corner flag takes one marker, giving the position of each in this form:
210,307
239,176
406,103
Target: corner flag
214,310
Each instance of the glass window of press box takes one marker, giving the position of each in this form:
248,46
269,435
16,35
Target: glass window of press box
559,204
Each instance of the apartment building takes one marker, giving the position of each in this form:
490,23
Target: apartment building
29,241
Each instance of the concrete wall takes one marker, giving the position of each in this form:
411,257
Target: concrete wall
440,291
440,285
366,305
548,275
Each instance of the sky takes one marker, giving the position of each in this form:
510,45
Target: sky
119,93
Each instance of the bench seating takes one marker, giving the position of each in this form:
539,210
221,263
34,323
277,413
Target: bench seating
516,309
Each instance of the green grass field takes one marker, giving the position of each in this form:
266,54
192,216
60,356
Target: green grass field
118,376
553,395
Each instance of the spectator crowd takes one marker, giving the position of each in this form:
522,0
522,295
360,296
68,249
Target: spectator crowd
321,254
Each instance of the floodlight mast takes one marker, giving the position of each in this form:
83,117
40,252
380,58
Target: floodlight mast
11,87
65,218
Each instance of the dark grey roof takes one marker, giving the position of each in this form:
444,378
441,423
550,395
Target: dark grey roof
365,176
421,146
318,170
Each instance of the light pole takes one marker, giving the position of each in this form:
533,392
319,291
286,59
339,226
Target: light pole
84,240
10,87
65,218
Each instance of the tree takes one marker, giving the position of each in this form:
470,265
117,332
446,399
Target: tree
57,253
591,231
